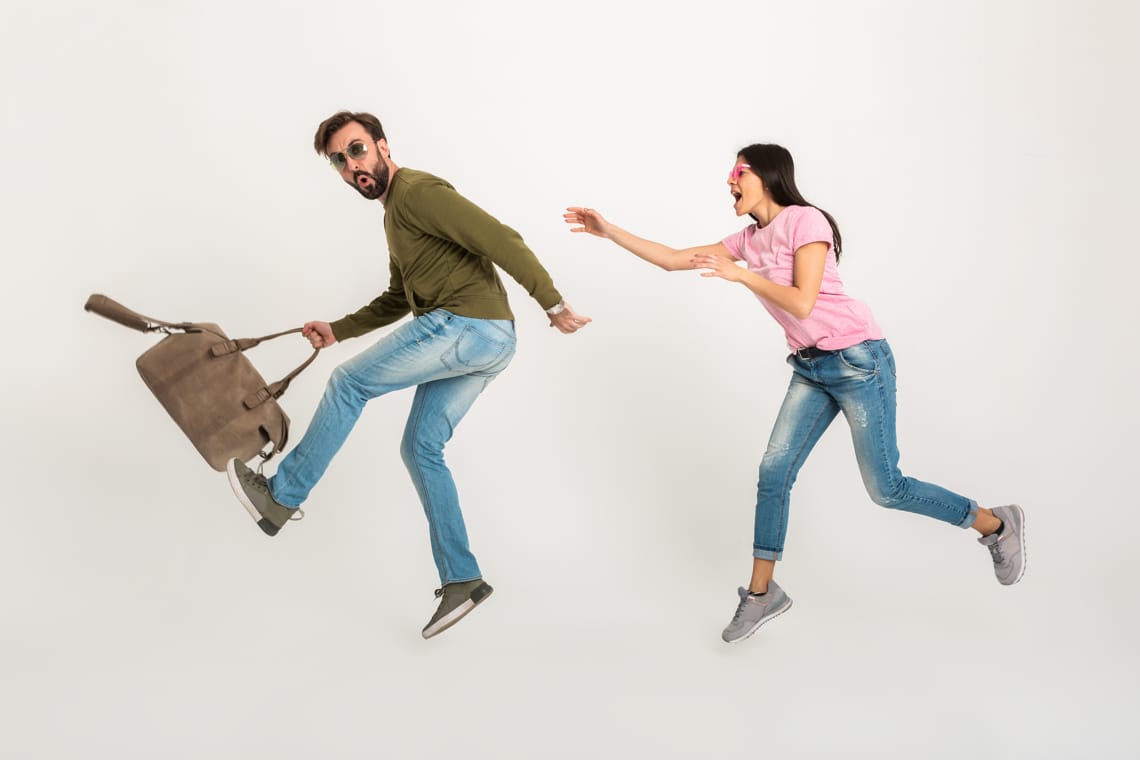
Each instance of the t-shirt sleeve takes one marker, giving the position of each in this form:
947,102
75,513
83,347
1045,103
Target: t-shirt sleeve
735,243
811,226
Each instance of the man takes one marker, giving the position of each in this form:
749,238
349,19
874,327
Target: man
442,255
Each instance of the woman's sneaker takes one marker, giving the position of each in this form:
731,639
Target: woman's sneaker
755,611
1008,549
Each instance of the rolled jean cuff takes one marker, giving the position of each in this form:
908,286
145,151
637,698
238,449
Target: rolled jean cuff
767,554
971,516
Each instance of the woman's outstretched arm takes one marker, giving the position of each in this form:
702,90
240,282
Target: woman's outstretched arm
671,259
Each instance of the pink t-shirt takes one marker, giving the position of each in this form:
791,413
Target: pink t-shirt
837,321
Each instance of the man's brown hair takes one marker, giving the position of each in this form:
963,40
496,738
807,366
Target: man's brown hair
330,125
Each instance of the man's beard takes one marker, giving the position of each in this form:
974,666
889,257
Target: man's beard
379,181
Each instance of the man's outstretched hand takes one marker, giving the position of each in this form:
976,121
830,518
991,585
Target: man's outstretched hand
568,321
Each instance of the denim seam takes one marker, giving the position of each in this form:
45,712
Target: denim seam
883,450
421,486
884,464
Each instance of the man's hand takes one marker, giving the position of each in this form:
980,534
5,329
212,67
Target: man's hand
567,320
320,334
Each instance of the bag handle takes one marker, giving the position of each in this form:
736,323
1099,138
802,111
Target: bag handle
273,390
116,312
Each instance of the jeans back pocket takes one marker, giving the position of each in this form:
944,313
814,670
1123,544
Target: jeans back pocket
473,350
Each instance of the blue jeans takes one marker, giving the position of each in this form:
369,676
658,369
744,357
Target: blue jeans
860,382
450,359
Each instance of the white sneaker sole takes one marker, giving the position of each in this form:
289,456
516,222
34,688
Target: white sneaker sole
1024,551
452,617
239,492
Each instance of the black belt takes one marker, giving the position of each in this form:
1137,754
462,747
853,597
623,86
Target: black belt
811,352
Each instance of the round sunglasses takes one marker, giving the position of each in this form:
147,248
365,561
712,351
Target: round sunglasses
356,150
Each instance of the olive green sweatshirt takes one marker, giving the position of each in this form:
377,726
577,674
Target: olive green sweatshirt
442,252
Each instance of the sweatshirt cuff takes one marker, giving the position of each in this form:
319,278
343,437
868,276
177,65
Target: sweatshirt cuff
345,328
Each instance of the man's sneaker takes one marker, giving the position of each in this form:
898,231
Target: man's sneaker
755,611
253,492
457,600
1008,549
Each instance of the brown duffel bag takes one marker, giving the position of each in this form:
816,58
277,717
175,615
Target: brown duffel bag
209,387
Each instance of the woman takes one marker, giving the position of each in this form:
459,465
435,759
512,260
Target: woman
840,363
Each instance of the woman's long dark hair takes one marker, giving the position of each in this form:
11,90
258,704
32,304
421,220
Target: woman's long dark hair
773,164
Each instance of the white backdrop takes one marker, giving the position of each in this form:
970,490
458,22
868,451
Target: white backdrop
980,158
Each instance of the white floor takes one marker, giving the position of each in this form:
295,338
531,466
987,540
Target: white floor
148,624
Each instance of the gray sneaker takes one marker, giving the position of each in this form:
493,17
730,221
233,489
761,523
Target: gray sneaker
755,611
1008,550
253,493
457,600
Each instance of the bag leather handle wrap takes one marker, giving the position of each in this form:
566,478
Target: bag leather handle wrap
116,312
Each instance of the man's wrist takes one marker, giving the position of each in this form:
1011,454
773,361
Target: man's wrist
557,309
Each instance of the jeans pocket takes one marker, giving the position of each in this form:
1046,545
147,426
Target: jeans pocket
859,358
472,351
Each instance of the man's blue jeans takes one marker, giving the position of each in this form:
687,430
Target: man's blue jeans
860,382
450,359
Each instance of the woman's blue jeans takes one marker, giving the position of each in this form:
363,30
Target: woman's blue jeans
450,359
860,382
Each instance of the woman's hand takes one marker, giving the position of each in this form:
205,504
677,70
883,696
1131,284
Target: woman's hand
591,221
718,262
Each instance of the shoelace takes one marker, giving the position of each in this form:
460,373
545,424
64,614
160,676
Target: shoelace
996,553
740,609
258,481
